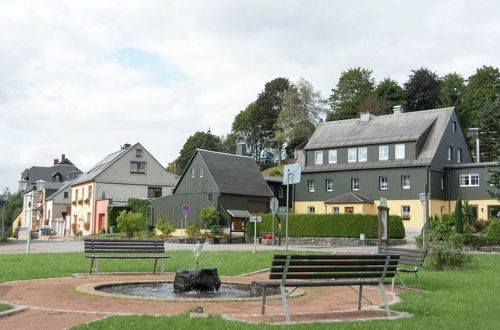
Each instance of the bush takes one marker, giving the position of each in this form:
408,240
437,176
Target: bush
329,225
479,225
113,213
193,230
477,241
448,219
209,216
165,227
445,255
131,223
137,205
494,230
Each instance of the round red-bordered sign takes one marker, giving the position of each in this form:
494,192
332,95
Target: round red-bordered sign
186,208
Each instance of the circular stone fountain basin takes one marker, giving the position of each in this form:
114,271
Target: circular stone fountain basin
164,290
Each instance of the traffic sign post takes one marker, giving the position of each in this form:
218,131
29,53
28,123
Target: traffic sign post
291,175
274,204
255,219
185,208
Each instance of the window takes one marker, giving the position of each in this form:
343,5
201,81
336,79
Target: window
351,155
89,194
310,185
88,217
469,180
405,182
210,197
355,183
76,194
459,155
154,192
362,154
405,212
318,157
454,126
442,182
335,210
382,182
138,153
66,194
332,156
193,172
312,209
202,172
138,167
329,184
450,153
280,192
400,151
383,152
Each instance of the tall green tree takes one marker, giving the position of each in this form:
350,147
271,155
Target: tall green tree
12,209
489,128
480,89
391,94
353,86
459,217
422,88
494,181
452,92
203,140
303,109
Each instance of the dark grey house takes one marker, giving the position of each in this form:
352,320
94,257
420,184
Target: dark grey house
348,165
231,183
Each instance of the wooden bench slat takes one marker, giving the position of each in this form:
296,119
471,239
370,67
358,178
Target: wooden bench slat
333,262
332,269
333,256
276,276
127,257
317,283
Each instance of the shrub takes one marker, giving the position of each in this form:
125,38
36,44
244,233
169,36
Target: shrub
165,227
445,255
459,217
275,172
86,225
193,230
114,212
477,241
467,214
131,223
479,225
137,205
448,219
330,225
209,216
494,230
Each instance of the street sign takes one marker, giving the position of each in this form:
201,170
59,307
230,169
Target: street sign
186,208
291,174
273,204
255,219
282,211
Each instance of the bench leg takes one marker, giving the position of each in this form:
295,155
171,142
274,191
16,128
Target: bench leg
382,290
154,268
418,281
360,294
162,265
91,265
263,307
97,266
285,303
392,285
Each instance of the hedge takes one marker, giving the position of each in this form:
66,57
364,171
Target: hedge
328,225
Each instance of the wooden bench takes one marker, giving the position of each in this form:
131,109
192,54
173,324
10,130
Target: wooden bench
328,270
96,247
410,261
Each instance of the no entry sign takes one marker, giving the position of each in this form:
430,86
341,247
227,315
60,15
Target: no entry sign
186,208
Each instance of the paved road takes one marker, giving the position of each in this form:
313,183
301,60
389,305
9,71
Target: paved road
37,246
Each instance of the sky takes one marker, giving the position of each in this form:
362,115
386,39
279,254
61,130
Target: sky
82,78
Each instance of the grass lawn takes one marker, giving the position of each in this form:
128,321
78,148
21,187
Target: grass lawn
466,299
4,307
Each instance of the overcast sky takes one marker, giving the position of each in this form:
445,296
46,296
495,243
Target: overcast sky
84,77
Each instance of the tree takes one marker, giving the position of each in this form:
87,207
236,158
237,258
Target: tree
209,216
203,140
12,209
495,182
452,92
303,110
372,104
422,88
391,93
489,128
459,217
353,86
137,205
131,223
479,90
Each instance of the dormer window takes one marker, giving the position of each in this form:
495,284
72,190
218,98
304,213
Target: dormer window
332,156
400,151
383,152
352,155
362,154
318,157
138,153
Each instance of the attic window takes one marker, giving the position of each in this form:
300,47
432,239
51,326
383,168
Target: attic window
193,172
66,194
454,126
138,153
202,172
138,167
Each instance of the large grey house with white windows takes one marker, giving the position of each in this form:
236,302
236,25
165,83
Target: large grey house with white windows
348,165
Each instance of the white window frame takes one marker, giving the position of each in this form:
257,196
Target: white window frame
399,151
311,186
332,156
383,183
318,157
405,182
466,180
383,153
362,154
202,172
352,154
355,184
193,172
454,126
405,213
442,182
329,184
449,154
311,209
459,155
335,210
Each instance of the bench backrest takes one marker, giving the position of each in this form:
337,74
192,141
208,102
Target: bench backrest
99,245
408,257
312,267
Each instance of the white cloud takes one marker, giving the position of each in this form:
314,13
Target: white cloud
64,90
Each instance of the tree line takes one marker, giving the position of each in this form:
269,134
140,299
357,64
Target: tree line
285,114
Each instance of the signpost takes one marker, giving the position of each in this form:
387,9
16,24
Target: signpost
273,204
185,208
291,175
383,222
255,219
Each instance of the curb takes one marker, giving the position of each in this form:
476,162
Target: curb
16,309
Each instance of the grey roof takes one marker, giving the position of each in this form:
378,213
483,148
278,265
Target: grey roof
235,174
65,185
472,165
403,127
102,165
47,174
239,213
273,178
349,198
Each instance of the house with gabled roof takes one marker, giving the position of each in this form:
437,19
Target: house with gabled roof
349,165
231,183
129,172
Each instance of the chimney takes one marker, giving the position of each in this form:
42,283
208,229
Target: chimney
63,157
397,109
241,149
366,116
125,146
56,161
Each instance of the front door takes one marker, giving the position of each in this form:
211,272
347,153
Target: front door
100,222
349,209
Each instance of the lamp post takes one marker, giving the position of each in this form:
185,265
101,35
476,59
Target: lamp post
476,132
424,198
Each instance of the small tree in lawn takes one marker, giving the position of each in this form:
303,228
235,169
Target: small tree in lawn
131,223
459,217
209,216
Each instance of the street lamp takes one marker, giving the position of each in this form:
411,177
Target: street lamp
424,198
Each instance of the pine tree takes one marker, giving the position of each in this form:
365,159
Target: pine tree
459,217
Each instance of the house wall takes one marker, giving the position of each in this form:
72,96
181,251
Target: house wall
465,193
82,210
197,184
101,208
